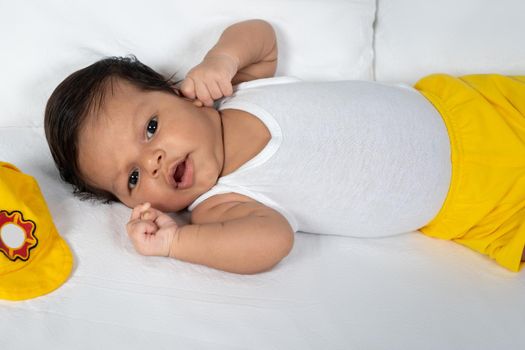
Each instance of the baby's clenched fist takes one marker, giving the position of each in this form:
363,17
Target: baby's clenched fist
151,231
211,79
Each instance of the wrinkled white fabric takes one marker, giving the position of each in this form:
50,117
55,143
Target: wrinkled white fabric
350,158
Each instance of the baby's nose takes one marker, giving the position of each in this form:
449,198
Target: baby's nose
154,163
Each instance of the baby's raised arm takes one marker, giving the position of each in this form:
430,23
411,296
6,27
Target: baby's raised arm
245,51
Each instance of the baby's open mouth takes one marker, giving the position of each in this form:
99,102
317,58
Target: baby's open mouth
179,172
183,174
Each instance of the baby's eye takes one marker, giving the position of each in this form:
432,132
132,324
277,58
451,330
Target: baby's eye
133,179
151,128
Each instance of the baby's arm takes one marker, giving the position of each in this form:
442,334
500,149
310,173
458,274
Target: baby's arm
245,51
228,232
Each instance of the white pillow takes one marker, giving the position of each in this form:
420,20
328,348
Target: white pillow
418,37
50,39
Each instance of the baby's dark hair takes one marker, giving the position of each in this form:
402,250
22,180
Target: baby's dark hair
72,101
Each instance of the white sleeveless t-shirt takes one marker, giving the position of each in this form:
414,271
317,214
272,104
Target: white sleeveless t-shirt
353,158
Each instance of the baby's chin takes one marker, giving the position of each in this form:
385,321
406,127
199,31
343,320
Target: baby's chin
168,207
164,206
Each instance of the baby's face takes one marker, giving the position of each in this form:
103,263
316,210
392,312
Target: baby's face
151,146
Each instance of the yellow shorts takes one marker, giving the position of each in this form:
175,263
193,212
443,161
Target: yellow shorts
485,206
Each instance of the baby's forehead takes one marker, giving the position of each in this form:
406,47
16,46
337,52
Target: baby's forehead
115,95
119,90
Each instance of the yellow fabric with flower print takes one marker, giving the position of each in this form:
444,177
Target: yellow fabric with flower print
34,259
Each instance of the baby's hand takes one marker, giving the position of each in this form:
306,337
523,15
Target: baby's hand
151,231
211,79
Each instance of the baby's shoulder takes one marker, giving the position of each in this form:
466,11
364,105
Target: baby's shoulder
266,81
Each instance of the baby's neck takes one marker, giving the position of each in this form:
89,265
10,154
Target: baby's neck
244,136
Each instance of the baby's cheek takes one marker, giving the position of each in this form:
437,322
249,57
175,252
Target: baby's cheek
129,201
167,202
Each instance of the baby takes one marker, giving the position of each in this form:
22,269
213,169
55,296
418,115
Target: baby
273,156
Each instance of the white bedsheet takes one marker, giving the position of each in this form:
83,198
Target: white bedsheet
403,292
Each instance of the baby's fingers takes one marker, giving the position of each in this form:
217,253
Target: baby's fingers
215,89
151,214
138,210
164,220
188,88
226,87
203,94
139,227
